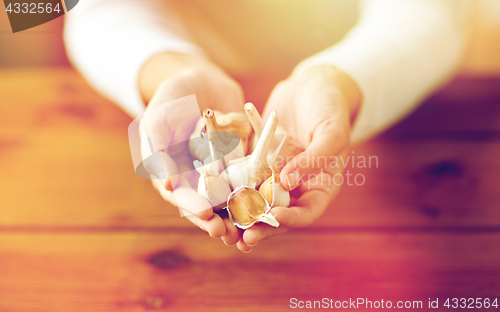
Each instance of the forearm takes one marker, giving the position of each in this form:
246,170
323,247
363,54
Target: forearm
109,42
399,52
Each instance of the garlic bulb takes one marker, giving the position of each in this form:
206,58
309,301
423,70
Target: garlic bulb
246,206
290,148
228,126
210,186
252,170
271,189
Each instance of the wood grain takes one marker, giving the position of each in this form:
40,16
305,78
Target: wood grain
174,272
79,231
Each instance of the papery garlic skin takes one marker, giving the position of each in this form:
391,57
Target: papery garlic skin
215,121
246,206
236,123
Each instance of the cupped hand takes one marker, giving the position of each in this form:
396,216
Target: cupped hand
316,106
166,83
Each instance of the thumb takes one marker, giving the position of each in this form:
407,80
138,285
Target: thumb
325,144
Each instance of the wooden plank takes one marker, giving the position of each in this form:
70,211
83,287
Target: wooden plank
85,183
421,184
64,161
127,271
51,177
65,157
466,109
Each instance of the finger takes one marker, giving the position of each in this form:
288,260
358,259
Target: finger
232,235
162,167
190,202
160,164
243,246
168,170
168,185
327,141
261,231
309,207
214,226
287,217
160,187
170,179
194,200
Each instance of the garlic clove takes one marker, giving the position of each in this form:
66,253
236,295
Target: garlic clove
274,193
271,189
290,148
237,172
198,142
210,186
246,206
211,168
266,189
255,119
246,171
257,124
252,169
217,191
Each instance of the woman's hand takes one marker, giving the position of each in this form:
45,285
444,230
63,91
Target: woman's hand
168,77
316,106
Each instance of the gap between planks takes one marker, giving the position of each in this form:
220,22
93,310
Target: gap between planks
310,230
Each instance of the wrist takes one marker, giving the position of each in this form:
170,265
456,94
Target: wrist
164,66
343,82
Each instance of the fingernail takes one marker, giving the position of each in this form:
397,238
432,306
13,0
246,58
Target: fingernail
292,180
168,185
252,245
224,242
247,251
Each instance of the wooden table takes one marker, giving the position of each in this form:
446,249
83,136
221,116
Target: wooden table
79,231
